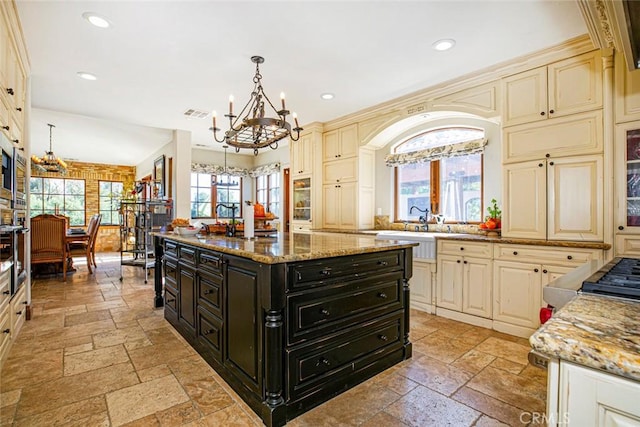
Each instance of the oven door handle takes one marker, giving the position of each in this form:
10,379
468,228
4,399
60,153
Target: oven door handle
23,230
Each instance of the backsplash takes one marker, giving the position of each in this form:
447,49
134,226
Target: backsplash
382,223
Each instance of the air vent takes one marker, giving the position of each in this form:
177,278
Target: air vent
196,114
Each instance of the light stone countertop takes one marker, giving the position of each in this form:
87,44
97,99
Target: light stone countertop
594,331
287,247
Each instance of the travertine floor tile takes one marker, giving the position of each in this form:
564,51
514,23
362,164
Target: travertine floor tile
435,375
508,350
31,369
473,361
208,396
382,419
67,414
140,400
490,406
424,407
518,391
94,359
119,336
9,398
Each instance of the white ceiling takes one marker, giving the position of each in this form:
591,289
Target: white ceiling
161,58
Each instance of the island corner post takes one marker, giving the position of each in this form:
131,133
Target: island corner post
290,335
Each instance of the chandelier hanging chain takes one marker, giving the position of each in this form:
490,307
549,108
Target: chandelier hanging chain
251,128
50,137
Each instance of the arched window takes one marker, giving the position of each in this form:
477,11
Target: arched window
440,170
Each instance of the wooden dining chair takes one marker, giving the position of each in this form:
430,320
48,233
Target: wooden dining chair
85,245
48,241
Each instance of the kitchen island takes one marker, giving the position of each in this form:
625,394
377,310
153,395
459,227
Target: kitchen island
593,343
291,321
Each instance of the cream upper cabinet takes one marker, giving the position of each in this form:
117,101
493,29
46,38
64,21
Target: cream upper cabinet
627,92
343,170
566,87
340,205
302,155
627,190
554,199
340,143
464,277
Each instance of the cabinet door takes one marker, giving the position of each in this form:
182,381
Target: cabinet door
449,282
348,206
524,187
477,286
421,286
627,86
349,141
575,85
627,178
575,199
553,272
187,298
516,292
525,97
330,206
330,145
592,398
302,155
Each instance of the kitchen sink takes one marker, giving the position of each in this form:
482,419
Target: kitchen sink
426,250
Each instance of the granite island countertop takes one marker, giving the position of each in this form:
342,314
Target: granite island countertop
287,247
594,331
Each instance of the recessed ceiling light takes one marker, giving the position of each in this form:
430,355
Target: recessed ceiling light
86,76
326,96
96,20
444,44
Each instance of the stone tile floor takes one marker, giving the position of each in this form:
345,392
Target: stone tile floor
97,354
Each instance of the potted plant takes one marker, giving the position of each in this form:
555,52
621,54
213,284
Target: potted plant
492,222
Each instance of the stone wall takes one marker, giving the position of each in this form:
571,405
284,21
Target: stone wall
92,173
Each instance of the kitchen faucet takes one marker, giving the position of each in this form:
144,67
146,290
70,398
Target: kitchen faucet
230,230
424,220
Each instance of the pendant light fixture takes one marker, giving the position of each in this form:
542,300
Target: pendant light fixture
251,128
228,182
49,162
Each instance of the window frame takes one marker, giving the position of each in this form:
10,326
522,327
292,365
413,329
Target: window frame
115,213
213,214
267,204
62,210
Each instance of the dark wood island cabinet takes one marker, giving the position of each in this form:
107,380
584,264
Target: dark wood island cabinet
288,322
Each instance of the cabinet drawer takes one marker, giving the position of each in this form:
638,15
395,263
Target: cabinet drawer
210,261
171,248
210,333
187,255
320,272
628,246
320,362
545,254
171,272
5,291
170,299
210,292
460,247
311,313
18,311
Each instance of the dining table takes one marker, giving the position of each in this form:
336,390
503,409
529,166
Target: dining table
74,235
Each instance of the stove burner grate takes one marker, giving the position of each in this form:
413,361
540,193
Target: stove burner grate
620,278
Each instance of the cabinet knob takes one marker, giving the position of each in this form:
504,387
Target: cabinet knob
458,261
208,332
545,271
551,111
18,109
515,252
324,312
382,295
6,292
551,163
547,155
171,300
19,312
569,257
464,262
5,127
10,91
462,249
383,337
208,291
325,272
620,227
382,263
6,331
535,270
17,141
339,155
323,361
542,113
540,165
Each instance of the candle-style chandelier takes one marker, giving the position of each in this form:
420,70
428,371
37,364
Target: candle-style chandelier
251,128
49,162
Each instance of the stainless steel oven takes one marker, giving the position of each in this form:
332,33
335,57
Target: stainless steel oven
7,241
19,180
6,180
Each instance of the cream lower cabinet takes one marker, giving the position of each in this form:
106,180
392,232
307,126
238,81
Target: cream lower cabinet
464,281
555,199
590,398
520,273
421,285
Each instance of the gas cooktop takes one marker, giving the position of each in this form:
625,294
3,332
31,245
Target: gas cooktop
619,278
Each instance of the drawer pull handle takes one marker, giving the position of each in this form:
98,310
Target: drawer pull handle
208,332
299,275
10,91
382,263
19,312
6,292
6,331
326,272
324,312
515,252
208,291
5,127
462,249
535,270
458,261
569,257
24,302
383,337
545,271
382,295
171,300
323,361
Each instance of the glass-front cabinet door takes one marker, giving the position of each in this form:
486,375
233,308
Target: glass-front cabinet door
302,199
628,186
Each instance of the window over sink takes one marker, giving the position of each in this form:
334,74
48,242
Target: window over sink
439,170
